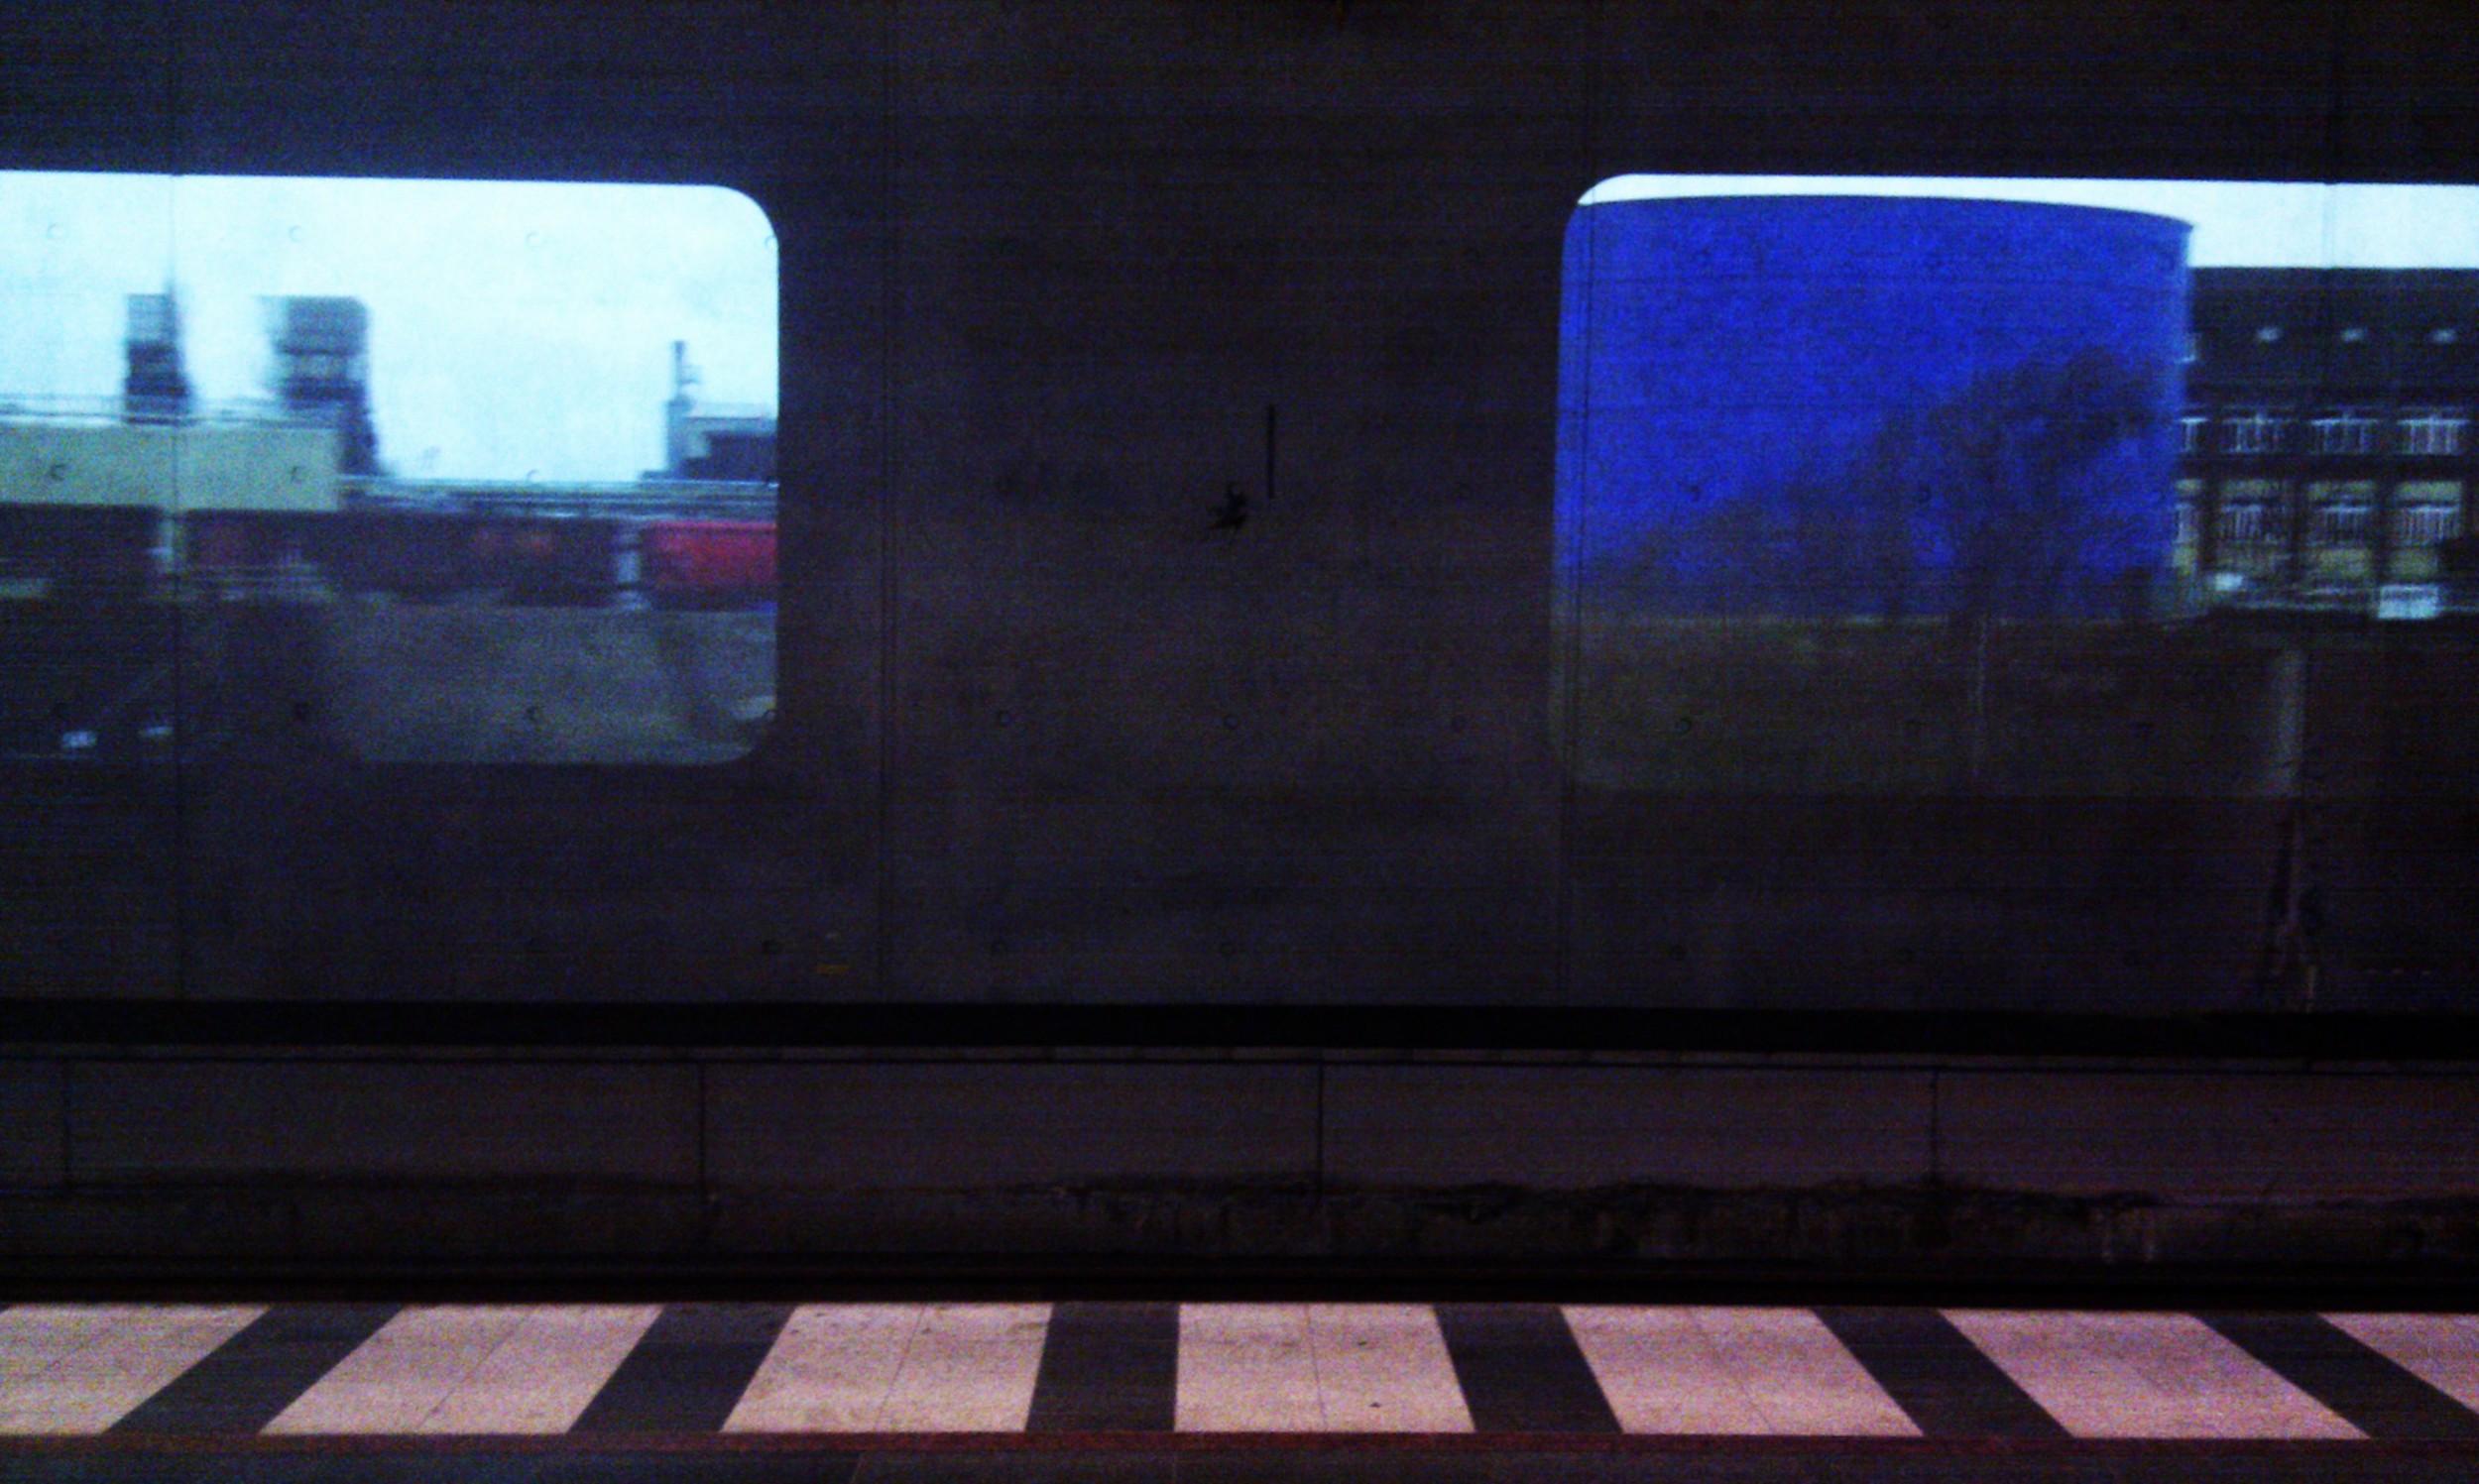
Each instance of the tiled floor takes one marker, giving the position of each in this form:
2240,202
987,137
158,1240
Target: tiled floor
1204,1384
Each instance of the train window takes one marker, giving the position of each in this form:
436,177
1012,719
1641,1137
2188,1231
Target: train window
1935,631
472,472
1872,487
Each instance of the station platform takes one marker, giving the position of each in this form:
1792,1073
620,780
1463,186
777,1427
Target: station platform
1144,1391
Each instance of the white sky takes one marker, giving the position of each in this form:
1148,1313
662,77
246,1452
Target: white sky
2237,223
521,328
514,328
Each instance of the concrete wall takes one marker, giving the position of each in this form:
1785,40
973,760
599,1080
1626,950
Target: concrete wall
1045,731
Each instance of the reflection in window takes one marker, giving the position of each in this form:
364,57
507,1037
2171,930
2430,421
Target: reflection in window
2247,521
2434,432
2255,431
2345,432
439,445
1952,486
2341,513
2425,522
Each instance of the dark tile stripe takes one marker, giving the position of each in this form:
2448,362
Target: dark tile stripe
1521,1370
1937,1375
688,1371
244,1382
2367,1388
1108,1368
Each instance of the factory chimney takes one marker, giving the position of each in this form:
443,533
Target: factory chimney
675,450
322,372
156,387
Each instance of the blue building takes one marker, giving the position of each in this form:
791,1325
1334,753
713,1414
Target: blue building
1867,407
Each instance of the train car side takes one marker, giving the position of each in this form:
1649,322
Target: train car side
708,563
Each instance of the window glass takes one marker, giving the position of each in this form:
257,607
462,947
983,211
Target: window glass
472,472
2029,488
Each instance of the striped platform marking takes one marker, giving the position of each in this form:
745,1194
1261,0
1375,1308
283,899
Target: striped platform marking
250,1377
897,1368
1521,1369
2144,1375
1315,1368
2375,1395
1108,1368
2441,1350
831,1370
1384,1368
687,1371
1102,1369
1936,1375
455,1369
1736,1371
969,1368
67,1368
1247,1368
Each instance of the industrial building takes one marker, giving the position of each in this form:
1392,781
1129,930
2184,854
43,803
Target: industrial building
2326,446
454,618
710,442
157,492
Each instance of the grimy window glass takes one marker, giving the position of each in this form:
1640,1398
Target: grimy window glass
481,472
2013,488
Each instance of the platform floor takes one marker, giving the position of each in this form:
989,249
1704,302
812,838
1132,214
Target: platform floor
1226,1391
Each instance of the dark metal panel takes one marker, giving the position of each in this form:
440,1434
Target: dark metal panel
1580,1128
33,1136
249,1121
846,1126
2198,1137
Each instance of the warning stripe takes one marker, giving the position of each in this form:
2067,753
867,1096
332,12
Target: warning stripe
1094,1370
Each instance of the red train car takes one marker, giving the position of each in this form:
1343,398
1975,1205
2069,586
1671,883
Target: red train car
708,563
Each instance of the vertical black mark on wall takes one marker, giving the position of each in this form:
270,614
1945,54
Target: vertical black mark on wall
1269,452
705,1193
68,1125
1935,1124
1320,1154
1976,770
2285,964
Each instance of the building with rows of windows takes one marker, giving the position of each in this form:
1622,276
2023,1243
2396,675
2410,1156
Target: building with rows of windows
2327,440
